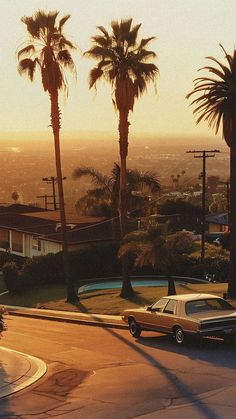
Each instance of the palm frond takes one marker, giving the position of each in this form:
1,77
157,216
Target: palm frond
66,60
26,51
27,66
123,62
94,75
145,41
63,21
215,97
33,27
103,30
97,177
54,55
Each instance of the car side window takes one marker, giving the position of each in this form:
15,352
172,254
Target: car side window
160,305
170,308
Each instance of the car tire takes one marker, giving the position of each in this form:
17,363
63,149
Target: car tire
134,328
179,335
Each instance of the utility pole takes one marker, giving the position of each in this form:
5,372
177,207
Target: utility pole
203,154
45,199
51,181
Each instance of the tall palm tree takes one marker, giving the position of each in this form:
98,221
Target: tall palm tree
216,104
105,195
123,61
50,51
151,248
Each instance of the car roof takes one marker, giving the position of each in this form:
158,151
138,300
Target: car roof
191,297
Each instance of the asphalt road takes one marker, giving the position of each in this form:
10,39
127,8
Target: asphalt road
99,373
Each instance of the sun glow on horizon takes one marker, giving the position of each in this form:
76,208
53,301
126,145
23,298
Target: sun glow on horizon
196,31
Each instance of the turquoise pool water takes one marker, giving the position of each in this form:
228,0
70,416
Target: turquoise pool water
118,284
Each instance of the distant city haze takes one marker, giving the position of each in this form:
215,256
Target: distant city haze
24,163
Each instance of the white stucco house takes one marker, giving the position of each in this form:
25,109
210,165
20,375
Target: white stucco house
28,231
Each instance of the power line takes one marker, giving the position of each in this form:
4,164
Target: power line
203,154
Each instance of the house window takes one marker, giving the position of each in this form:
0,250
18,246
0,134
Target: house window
4,239
17,241
36,244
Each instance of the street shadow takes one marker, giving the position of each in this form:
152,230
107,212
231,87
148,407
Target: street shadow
204,410
138,299
165,343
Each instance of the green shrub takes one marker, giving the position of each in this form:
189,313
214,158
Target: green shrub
11,276
95,261
91,261
42,270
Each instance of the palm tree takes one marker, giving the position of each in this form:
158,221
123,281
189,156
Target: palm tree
15,196
216,104
123,61
151,248
105,195
50,51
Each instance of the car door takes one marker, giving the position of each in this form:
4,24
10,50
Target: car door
168,317
154,320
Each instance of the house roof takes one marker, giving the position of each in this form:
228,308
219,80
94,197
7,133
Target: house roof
85,233
21,208
221,219
70,218
47,226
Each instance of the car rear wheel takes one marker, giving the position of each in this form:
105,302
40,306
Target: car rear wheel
179,335
134,328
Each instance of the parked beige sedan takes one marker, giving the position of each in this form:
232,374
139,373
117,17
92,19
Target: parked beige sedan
187,314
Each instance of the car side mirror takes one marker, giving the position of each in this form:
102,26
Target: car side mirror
149,308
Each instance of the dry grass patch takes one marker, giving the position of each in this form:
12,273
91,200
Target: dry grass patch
100,301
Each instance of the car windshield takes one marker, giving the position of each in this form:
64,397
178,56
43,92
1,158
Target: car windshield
207,304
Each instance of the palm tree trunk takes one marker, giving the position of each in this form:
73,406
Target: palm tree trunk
126,290
232,223
55,120
171,286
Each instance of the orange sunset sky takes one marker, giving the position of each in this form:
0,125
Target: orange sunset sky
186,31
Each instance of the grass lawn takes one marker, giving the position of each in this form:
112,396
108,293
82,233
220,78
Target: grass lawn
100,301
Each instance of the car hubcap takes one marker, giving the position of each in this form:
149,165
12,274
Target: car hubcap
133,327
179,336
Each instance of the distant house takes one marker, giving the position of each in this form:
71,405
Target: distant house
29,231
217,223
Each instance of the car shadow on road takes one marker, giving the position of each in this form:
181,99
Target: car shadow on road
213,351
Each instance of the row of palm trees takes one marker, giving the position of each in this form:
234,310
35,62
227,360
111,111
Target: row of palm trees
127,65
123,61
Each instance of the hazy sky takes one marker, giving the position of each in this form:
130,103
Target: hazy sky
186,31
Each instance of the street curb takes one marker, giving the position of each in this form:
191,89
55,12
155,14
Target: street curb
68,317
35,362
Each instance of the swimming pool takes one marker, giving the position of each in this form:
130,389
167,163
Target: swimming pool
117,283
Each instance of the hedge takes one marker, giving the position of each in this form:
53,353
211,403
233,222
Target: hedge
93,261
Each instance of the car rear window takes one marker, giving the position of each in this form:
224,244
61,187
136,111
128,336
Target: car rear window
207,304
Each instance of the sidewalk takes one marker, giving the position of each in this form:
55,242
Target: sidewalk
101,320
19,370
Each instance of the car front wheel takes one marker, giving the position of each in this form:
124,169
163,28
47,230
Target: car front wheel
179,335
134,328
